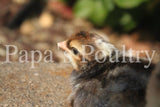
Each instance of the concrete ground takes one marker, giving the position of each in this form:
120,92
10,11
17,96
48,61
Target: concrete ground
47,85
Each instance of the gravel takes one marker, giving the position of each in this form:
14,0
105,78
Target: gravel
47,85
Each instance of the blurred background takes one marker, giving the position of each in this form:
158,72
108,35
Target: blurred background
40,24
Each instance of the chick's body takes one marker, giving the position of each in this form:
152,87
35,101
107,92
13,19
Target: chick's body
119,86
106,84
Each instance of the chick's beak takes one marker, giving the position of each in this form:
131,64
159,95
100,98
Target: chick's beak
63,46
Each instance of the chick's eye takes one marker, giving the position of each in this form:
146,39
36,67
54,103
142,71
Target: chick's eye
75,51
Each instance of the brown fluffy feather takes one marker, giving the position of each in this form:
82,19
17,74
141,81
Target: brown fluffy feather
105,84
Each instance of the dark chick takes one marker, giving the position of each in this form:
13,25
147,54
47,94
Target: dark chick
104,84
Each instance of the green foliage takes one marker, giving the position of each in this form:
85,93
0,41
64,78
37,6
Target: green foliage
124,15
95,10
127,22
99,13
128,4
84,8
109,5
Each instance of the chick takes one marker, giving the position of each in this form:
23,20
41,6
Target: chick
108,83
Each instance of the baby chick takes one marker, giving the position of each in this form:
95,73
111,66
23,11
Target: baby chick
115,83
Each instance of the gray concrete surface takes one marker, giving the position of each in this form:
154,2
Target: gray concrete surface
45,86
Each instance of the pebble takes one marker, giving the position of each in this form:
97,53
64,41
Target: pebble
3,40
36,74
2,52
46,20
27,27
